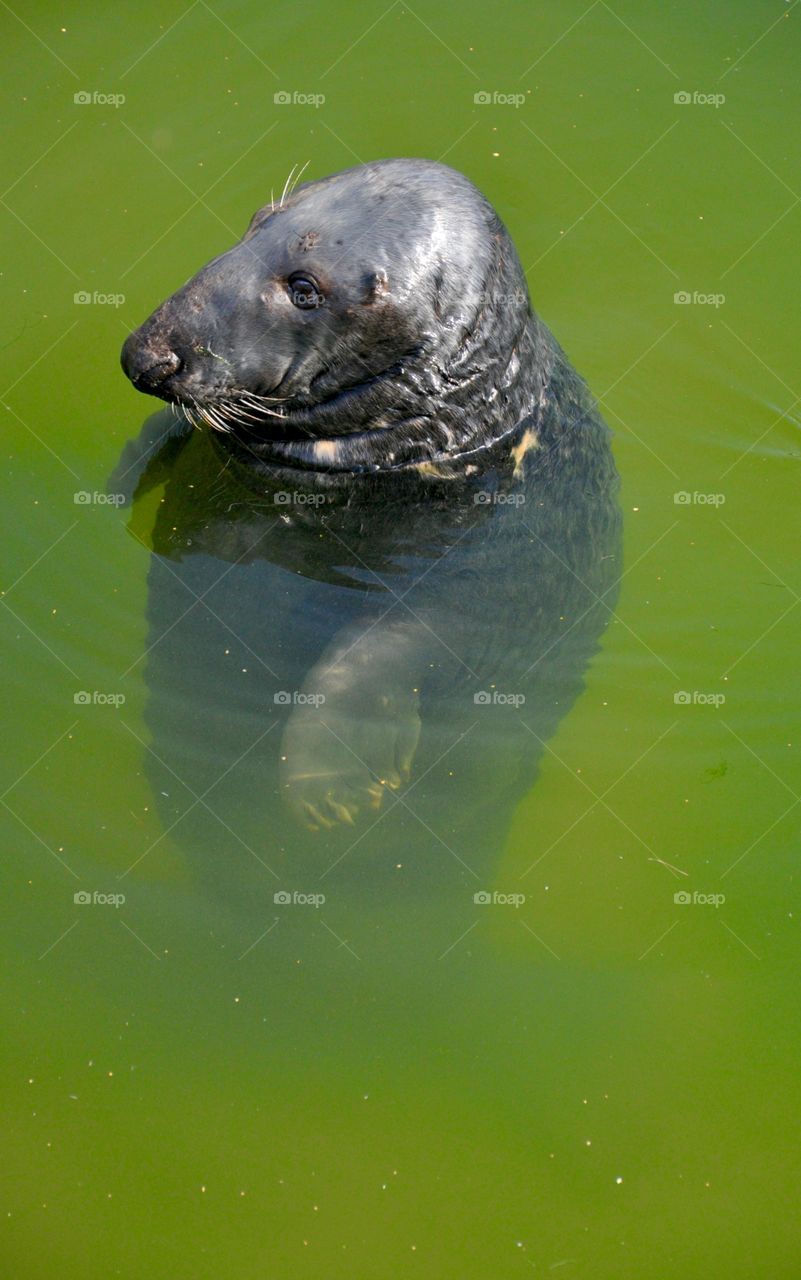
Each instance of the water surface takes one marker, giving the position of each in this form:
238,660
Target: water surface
601,1081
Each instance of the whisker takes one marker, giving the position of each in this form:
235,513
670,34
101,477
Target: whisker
240,408
299,176
220,421
251,398
236,414
189,415
263,408
208,415
286,185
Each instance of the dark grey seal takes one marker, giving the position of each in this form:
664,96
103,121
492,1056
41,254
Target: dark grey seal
379,576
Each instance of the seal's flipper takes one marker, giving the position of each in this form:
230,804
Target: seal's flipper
353,732
337,766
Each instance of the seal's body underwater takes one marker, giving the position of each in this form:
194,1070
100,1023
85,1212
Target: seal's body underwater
385,567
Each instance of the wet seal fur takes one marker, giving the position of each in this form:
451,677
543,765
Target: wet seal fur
369,349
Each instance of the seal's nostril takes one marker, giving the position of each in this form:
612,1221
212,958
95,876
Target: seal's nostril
148,369
158,373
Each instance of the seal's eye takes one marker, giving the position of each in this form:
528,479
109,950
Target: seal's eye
304,292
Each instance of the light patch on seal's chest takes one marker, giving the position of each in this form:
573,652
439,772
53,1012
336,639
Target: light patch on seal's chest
326,450
527,443
429,468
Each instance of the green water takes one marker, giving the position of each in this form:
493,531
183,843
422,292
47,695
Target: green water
599,1083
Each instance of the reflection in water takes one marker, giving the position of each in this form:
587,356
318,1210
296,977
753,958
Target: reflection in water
358,680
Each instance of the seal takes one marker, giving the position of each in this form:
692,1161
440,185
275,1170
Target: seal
399,510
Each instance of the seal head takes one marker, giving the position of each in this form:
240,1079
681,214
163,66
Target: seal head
374,319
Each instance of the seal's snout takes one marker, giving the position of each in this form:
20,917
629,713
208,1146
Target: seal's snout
147,367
